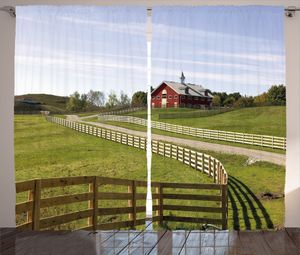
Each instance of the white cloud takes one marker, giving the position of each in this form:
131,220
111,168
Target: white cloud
258,57
249,67
220,78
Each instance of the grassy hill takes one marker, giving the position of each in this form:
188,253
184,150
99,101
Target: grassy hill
268,120
40,102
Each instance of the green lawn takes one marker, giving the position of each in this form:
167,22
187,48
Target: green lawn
268,120
44,150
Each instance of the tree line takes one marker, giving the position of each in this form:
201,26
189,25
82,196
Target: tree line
94,100
276,95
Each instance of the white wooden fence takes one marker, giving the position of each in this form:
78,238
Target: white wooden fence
273,142
197,160
122,111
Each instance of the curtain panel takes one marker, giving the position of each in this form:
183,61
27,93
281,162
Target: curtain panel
215,103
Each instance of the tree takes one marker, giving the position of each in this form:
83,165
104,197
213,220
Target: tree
83,102
229,101
112,100
277,95
77,102
96,98
235,95
124,100
244,102
139,99
222,95
216,101
262,99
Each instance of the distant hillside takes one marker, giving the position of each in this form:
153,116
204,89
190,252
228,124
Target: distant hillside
40,102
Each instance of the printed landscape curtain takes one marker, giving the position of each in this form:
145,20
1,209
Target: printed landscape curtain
76,52
236,55
217,99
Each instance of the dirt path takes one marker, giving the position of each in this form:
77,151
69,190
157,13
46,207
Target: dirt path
254,155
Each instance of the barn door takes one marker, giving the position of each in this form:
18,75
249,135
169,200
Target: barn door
164,103
164,99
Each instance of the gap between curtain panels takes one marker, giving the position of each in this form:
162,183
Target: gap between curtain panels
149,138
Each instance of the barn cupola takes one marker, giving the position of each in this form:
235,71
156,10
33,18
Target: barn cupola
182,78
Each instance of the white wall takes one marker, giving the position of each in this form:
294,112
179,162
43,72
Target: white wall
292,187
153,2
7,178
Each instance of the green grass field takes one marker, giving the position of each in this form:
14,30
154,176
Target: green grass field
44,150
268,120
49,150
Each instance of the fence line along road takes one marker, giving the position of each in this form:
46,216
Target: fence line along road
197,160
273,142
94,207
122,111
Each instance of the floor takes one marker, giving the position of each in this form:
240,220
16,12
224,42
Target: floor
286,241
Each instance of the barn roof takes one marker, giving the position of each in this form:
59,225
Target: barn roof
180,88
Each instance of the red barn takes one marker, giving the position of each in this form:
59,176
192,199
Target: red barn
175,94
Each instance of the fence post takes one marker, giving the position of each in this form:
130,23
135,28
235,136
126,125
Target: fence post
132,203
221,174
93,204
218,173
209,166
160,212
36,205
203,163
29,213
214,170
224,206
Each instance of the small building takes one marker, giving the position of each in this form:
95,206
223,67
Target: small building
180,94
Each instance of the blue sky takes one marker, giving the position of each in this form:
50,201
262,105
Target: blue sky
63,49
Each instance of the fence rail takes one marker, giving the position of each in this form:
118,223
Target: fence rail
95,207
197,160
122,111
194,114
273,142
